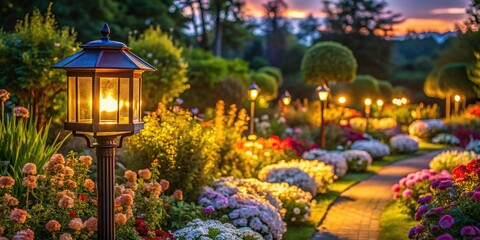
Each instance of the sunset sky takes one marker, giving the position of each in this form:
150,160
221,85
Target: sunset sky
420,15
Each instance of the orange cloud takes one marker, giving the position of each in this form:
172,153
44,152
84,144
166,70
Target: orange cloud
448,11
423,25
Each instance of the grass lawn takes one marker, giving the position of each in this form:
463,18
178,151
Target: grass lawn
306,229
394,224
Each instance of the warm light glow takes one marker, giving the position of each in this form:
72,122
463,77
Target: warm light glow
368,101
397,101
108,104
253,93
448,11
286,101
380,102
423,25
456,98
323,96
342,100
404,100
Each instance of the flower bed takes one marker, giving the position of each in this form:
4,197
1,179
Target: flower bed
473,145
448,160
213,229
426,128
376,149
336,159
310,176
357,160
404,144
446,138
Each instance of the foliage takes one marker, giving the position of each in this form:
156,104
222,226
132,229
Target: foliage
446,138
213,229
243,209
453,79
342,136
357,160
328,62
385,89
403,143
311,176
365,86
21,142
375,148
186,152
335,159
416,186
453,212
26,58
267,83
273,72
473,145
448,160
431,85
170,79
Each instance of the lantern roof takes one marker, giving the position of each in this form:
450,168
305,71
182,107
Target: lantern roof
104,54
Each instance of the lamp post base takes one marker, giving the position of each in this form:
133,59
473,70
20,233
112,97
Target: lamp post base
105,149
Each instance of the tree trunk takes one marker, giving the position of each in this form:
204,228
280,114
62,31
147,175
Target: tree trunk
218,30
194,22
447,107
204,42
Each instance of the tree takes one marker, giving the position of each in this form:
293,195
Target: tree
328,62
276,28
431,87
453,80
473,72
26,58
273,72
170,79
364,86
385,89
308,29
473,15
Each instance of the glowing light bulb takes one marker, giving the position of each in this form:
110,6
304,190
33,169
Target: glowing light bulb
108,104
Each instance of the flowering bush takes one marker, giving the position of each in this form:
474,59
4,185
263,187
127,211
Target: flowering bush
426,128
465,135
452,212
311,176
292,202
357,160
340,136
416,186
404,144
474,146
374,124
446,138
337,160
213,229
243,209
376,149
448,160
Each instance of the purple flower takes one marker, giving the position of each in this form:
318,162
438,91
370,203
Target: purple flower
477,189
407,193
445,184
435,183
419,229
445,236
446,221
438,210
468,230
434,228
476,196
208,210
420,212
411,233
425,199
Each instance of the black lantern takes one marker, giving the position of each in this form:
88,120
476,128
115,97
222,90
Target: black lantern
286,98
322,92
104,83
253,92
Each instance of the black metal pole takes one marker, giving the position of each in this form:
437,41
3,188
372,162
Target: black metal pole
105,150
252,113
322,125
367,115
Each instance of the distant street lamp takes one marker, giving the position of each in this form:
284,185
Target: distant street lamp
104,89
286,100
457,99
380,106
322,92
341,101
368,104
253,92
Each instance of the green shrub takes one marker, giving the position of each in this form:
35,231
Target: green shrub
274,72
186,152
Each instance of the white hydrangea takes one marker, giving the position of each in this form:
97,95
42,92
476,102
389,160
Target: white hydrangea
357,160
426,128
446,138
311,176
448,160
404,144
473,145
337,160
376,149
215,230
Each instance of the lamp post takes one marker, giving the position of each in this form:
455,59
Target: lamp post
368,103
342,100
380,106
457,99
322,92
286,100
104,83
253,92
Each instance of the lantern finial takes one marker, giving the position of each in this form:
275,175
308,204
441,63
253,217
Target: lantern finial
105,31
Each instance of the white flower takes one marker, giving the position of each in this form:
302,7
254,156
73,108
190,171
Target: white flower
448,160
335,159
296,210
358,160
213,229
404,144
376,149
446,138
473,145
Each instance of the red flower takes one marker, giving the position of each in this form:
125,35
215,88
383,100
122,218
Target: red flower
459,172
141,227
82,197
473,165
72,214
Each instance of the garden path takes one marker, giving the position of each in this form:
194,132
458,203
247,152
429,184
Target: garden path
356,212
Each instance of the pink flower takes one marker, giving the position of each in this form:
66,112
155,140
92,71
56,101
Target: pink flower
53,226
6,182
178,195
476,196
468,230
85,160
445,236
407,193
396,188
66,202
165,184
145,174
21,112
4,95
29,169
91,224
446,221
18,215
24,235
76,224
66,236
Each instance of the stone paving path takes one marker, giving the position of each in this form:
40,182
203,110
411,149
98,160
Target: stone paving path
356,212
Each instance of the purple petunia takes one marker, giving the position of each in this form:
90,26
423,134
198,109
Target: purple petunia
425,199
445,236
446,221
445,184
469,230
208,209
420,212
476,196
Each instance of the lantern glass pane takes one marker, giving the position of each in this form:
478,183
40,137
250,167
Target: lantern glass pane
136,99
124,100
108,100
85,96
72,100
